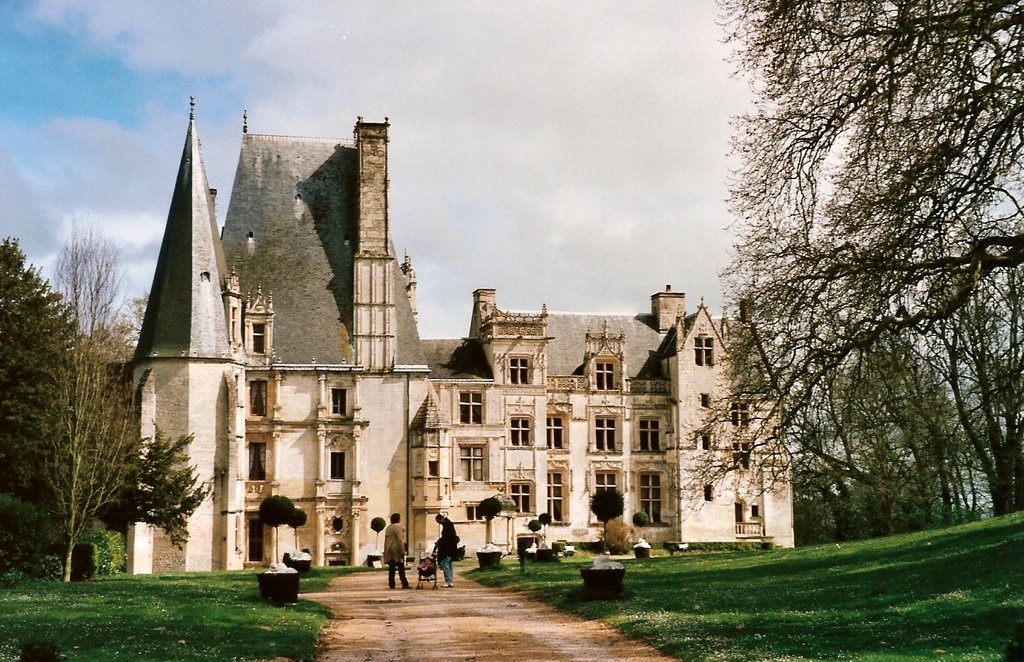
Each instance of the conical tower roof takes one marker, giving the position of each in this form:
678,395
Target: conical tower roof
185,314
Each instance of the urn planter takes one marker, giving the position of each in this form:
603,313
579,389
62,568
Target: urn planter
603,582
280,587
642,552
488,559
544,554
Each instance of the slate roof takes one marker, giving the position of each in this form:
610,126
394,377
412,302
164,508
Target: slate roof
291,228
464,358
185,311
569,333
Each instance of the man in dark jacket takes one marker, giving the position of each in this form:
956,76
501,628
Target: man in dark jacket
447,547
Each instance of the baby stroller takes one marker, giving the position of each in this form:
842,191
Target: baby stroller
426,571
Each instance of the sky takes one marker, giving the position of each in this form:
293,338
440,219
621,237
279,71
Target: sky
573,154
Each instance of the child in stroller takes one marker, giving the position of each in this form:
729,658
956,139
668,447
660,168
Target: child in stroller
426,571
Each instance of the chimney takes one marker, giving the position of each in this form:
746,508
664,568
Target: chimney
666,307
484,302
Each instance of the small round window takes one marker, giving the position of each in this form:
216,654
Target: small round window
337,524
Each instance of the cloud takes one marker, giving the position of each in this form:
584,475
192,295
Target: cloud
569,153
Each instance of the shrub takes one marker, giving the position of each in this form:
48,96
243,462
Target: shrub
641,519
50,567
618,537
534,525
24,534
99,553
11,578
40,650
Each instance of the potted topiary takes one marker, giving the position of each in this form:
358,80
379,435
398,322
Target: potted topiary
298,559
280,583
642,549
489,554
542,552
604,578
378,524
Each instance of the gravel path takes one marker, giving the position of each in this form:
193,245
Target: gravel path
373,623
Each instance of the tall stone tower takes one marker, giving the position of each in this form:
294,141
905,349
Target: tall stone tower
183,367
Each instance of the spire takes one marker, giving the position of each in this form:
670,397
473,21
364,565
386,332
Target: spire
185,314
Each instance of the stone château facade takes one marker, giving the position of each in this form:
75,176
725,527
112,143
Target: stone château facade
287,345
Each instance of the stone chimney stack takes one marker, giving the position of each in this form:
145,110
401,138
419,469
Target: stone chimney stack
484,302
666,307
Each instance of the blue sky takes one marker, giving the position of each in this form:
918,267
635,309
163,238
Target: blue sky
569,153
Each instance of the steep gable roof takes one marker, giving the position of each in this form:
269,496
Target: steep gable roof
185,312
292,229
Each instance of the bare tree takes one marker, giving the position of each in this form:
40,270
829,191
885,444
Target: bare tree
93,440
880,180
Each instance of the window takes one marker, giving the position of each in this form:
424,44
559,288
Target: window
433,470
473,512
740,414
556,432
705,400
258,397
471,407
472,460
520,428
339,397
519,370
234,325
254,546
259,338
604,433
741,454
605,480
650,496
704,350
337,465
650,434
556,497
520,493
257,461
755,511
709,493
604,374
705,442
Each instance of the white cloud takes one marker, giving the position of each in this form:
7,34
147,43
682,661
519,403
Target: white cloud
572,153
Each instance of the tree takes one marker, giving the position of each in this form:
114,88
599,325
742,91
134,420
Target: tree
880,178
489,508
274,511
606,506
378,524
161,488
297,519
35,329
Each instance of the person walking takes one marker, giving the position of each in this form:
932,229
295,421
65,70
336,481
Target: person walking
394,550
447,547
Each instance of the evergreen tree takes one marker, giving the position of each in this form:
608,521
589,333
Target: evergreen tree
34,332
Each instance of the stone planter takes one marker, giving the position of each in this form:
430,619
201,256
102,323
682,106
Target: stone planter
301,565
545,554
642,552
488,559
280,587
374,560
603,582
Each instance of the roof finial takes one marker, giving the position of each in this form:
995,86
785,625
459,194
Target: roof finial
191,108
245,121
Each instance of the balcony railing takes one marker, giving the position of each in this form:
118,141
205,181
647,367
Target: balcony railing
571,383
649,386
750,529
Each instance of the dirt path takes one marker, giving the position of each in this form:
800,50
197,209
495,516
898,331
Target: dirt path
372,623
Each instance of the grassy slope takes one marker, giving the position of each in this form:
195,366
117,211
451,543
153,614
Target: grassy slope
194,616
953,593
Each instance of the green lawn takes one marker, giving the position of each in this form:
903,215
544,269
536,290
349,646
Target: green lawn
953,594
190,616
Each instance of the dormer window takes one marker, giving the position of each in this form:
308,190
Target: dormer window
259,338
704,350
604,375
